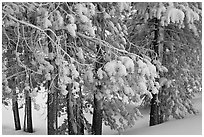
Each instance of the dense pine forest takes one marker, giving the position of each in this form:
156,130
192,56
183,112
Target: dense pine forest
107,60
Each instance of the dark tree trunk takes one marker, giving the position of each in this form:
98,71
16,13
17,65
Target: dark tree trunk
75,111
97,113
52,113
52,100
97,117
28,126
154,111
79,115
161,107
16,111
158,48
72,124
10,55
52,106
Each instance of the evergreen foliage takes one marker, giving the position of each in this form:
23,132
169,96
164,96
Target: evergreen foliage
100,58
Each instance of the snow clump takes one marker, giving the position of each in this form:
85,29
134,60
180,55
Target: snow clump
115,67
128,63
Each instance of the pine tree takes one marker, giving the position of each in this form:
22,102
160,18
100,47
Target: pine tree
12,82
79,116
28,125
52,100
104,56
98,102
15,108
72,124
173,19
158,48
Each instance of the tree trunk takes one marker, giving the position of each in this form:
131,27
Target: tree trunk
52,100
52,113
154,111
97,117
72,124
52,109
16,111
74,113
97,113
158,48
79,115
12,84
28,126
161,107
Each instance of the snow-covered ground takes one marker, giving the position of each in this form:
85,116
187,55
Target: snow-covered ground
190,125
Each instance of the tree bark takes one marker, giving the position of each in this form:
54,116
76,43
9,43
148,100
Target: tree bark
155,111
12,84
97,113
72,124
97,117
28,126
52,100
52,113
161,106
79,115
16,111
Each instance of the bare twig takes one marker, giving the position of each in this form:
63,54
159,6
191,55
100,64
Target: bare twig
14,75
106,44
